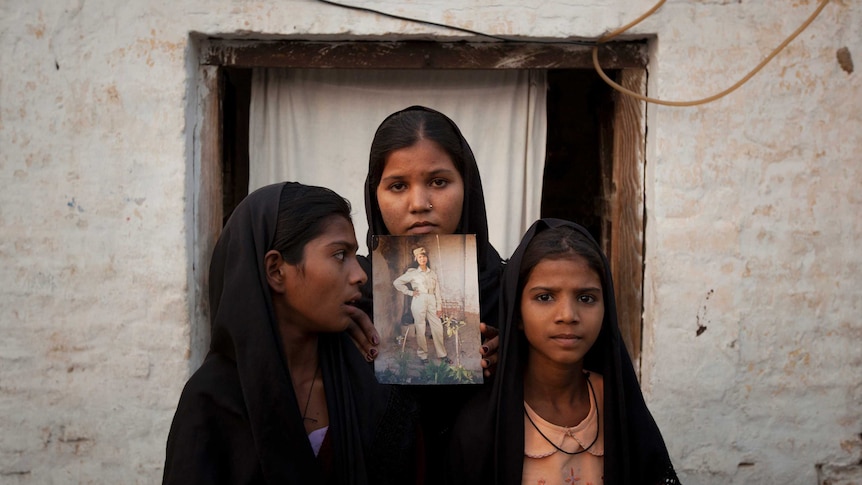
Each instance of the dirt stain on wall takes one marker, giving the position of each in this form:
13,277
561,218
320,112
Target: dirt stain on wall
845,60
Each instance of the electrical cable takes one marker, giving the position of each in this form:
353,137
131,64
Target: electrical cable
708,99
604,39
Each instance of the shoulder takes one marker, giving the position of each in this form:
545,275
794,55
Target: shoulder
597,380
217,375
210,434
212,395
598,384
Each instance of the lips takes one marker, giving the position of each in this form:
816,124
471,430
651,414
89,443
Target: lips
567,336
422,227
567,339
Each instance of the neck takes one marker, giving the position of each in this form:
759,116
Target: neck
300,349
303,364
555,389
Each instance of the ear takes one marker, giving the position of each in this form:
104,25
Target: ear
273,264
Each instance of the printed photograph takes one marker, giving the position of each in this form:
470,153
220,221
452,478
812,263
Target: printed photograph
426,309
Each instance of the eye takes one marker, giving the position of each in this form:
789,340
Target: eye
340,255
439,183
398,187
544,297
588,299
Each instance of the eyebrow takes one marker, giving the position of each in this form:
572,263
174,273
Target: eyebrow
433,173
344,244
554,288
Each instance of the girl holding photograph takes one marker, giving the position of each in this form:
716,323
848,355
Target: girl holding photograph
423,179
565,406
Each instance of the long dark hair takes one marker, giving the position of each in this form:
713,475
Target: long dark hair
303,212
557,243
404,129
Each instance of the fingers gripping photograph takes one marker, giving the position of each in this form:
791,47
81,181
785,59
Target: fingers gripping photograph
432,291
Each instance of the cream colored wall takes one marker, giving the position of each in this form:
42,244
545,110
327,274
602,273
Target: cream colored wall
753,225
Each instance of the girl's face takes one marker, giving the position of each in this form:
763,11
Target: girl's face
319,289
420,191
422,259
562,310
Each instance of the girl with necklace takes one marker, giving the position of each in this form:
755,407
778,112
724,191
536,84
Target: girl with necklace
283,396
565,406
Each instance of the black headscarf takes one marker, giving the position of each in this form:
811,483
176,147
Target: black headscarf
238,420
474,219
488,439
440,404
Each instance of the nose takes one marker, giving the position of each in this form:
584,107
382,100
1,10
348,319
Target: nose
567,311
357,274
419,199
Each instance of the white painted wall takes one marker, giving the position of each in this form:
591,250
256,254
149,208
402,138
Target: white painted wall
753,225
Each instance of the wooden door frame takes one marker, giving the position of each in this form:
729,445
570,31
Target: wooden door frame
623,167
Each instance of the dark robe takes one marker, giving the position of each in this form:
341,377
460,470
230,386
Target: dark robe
488,442
440,404
238,420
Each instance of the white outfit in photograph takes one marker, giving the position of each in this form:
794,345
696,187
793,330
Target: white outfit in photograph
425,305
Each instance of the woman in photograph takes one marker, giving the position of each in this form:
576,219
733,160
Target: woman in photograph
426,304
283,395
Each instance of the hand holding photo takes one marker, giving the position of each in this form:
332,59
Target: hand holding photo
426,288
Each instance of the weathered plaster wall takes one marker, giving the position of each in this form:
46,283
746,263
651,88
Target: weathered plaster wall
753,210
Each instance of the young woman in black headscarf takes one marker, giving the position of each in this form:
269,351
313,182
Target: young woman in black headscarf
283,396
423,179
565,403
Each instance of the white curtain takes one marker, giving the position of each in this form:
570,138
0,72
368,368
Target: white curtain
315,126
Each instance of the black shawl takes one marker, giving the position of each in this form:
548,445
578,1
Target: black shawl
238,420
474,220
488,441
441,404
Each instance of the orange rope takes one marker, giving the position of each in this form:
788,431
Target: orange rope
708,99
